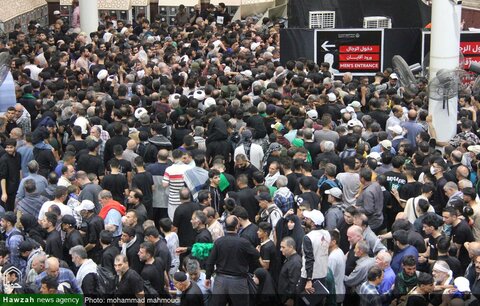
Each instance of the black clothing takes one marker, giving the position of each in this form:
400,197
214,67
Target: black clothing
10,167
91,164
246,198
289,276
71,239
380,117
342,228
192,296
53,244
231,255
161,251
410,190
144,182
124,168
46,161
454,264
108,257
130,285
78,145
116,184
293,182
181,220
440,199
141,213
268,252
132,255
90,284
248,171
155,274
312,147
461,234
311,197
250,233
94,226
117,139
177,136
257,124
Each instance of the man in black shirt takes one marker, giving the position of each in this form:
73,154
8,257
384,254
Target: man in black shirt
182,217
191,293
93,225
10,166
248,230
161,249
130,244
128,283
290,272
144,181
231,255
199,225
243,166
246,197
53,244
117,139
91,162
72,238
461,233
154,269
135,202
116,182
109,251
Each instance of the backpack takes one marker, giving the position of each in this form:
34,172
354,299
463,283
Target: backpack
148,289
105,281
35,244
332,184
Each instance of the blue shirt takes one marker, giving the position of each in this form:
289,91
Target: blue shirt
378,150
64,275
26,153
114,217
12,243
388,280
41,184
398,257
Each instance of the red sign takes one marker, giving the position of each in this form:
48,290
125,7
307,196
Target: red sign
469,60
360,66
359,57
470,47
360,49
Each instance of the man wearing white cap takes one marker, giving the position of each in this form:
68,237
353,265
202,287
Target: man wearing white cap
315,252
334,214
94,225
396,118
397,136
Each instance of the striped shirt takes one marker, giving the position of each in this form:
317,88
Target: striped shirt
174,178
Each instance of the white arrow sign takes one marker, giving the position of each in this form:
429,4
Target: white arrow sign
325,45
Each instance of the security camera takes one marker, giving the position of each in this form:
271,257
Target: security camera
457,2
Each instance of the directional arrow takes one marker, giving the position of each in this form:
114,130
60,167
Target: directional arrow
325,45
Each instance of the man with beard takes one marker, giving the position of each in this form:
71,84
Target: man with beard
93,225
154,269
128,283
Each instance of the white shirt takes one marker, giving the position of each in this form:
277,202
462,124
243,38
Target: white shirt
83,123
63,208
336,262
256,154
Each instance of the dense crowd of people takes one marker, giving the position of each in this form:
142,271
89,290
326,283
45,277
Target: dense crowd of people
188,161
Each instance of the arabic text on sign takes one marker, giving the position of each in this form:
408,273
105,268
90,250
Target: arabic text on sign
469,60
360,49
470,47
359,66
359,57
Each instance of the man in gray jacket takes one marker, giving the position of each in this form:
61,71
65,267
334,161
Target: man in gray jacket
370,200
359,275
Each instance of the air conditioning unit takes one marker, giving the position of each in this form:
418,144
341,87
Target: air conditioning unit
322,19
377,22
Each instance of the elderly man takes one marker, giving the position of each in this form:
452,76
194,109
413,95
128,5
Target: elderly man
363,264
111,213
87,269
41,182
383,260
64,276
23,118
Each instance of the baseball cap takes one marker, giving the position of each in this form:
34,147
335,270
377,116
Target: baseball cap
25,246
277,126
263,196
355,104
335,191
85,205
396,129
254,46
354,122
474,149
312,114
315,215
247,73
387,144
69,219
394,76
376,156
56,12
102,74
